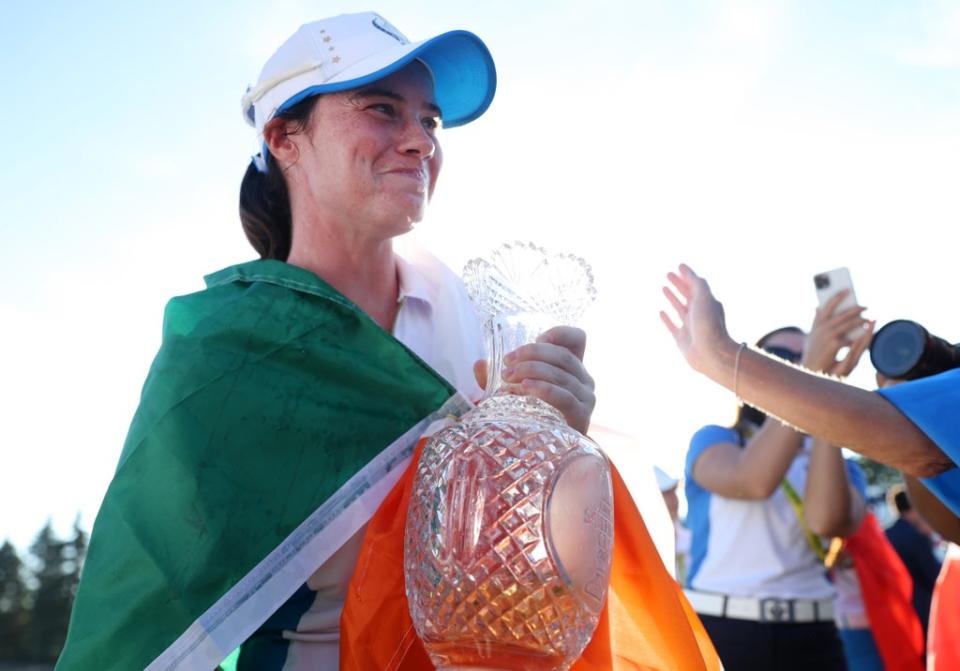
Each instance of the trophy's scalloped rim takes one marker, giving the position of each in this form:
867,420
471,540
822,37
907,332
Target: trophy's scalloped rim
475,267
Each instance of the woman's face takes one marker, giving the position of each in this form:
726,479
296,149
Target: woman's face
369,157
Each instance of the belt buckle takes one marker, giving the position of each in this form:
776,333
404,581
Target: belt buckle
776,610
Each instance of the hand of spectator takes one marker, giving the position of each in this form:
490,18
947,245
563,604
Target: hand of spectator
830,334
552,370
702,332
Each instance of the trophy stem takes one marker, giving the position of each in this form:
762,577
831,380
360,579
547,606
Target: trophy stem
505,333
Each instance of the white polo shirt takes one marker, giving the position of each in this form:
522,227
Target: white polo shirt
437,322
752,548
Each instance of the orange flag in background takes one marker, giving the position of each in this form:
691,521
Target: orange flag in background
943,649
647,622
887,590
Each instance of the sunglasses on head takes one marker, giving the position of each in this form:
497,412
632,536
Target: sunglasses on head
783,353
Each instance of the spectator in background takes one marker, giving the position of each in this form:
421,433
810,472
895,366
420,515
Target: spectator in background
853,623
668,488
913,427
912,538
760,497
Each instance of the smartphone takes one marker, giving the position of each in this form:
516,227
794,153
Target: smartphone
828,284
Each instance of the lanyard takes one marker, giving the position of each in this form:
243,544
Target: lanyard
828,556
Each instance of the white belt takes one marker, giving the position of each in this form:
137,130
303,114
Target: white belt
761,610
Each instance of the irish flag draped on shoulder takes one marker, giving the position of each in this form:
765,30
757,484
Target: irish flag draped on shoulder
275,418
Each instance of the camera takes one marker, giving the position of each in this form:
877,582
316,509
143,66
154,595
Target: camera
904,350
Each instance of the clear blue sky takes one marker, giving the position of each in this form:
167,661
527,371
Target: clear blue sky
760,141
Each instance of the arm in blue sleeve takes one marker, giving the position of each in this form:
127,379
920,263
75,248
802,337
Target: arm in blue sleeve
706,437
933,404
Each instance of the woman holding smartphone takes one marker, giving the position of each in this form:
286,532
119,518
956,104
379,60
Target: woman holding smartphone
761,497
912,427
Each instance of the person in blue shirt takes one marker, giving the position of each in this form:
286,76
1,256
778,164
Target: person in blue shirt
913,427
761,498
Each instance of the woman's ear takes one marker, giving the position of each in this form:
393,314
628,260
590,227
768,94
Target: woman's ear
276,135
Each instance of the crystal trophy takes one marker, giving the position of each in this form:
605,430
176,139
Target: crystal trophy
509,533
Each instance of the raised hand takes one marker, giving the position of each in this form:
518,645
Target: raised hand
701,332
831,332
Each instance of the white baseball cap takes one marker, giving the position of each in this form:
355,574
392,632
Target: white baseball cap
665,481
350,50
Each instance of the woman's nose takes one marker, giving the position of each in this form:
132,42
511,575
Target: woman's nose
417,140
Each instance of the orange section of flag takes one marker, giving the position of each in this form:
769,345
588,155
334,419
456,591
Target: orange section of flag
943,651
647,622
887,590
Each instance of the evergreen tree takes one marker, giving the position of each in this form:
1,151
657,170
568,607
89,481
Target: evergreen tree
52,597
13,606
74,553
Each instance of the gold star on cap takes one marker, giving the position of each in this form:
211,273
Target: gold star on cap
336,59
327,38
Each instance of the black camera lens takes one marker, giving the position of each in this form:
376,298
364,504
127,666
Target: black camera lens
821,281
904,350
897,348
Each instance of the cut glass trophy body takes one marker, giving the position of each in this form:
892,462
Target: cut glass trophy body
509,533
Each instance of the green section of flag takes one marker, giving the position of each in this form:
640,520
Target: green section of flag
269,391
230,663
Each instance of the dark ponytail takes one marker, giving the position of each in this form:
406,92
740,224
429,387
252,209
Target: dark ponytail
264,199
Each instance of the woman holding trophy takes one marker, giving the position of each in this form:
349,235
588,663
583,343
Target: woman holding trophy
360,155
287,398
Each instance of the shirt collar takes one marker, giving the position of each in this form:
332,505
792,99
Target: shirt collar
414,283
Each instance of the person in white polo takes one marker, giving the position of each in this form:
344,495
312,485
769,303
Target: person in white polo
762,501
